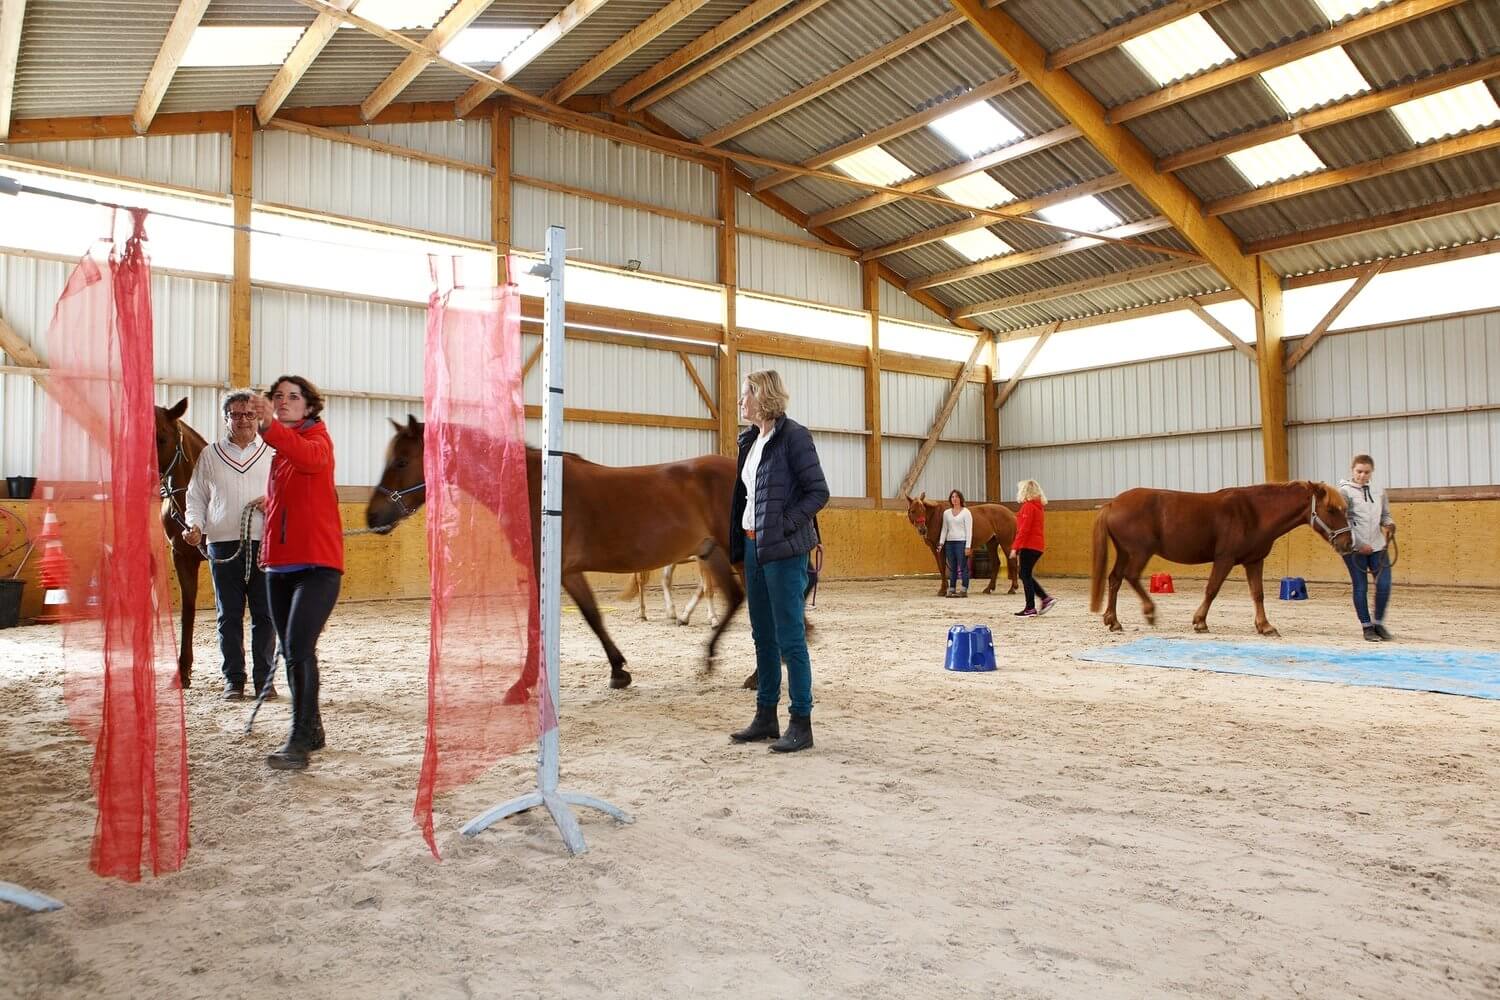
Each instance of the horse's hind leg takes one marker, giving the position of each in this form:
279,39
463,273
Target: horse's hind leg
1148,606
1116,576
994,548
1215,581
666,591
713,561
1258,595
578,589
1012,568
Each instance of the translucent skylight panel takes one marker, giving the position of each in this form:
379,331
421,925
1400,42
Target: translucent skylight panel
485,46
1315,80
979,190
1448,112
980,244
976,129
1183,48
1087,214
1276,161
874,165
241,45
402,15
1337,10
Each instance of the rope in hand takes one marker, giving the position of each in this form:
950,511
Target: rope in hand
247,519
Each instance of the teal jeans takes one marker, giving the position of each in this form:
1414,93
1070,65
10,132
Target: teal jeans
774,592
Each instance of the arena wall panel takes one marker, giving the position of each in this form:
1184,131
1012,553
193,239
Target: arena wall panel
798,272
195,161
829,399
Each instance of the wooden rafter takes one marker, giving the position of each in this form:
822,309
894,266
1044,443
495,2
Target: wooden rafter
623,47
1014,381
1021,259
1243,69
1317,332
318,35
1433,152
1212,322
859,67
459,17
1173,10
941,420
705,43
728,52
1421,213
896,129
1078,287
1342,111
1126,153
12,15
173,47
527,52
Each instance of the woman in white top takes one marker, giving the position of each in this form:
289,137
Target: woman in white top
957,541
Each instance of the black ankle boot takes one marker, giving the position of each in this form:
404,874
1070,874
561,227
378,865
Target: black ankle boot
763,727
798,735
293,755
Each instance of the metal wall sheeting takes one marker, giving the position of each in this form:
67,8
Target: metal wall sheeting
195,161
829,398
1201,463
1431,365
798,272
909,404
752,214
896,304
335,177
614,234
625,379
949,467
467,140
588,161
620,444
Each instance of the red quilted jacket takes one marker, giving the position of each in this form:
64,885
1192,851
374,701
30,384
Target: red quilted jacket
302,506
1029,526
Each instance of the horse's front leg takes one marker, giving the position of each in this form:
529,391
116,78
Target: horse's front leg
937,553
186,562
578,589
1215,581
1253,571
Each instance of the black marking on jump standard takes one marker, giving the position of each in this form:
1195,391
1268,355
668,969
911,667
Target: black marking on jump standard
552,513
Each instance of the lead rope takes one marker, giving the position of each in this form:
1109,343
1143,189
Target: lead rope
817,569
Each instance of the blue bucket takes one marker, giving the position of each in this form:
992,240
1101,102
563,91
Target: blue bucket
1293,588
970,649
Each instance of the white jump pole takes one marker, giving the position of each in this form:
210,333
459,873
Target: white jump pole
547,792
26,899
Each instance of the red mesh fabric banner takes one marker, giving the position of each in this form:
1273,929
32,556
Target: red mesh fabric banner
99,460
483,676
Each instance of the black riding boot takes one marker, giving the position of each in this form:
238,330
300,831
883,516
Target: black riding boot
293,753
798,735
763,727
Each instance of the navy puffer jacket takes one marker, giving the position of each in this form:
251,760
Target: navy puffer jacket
789,492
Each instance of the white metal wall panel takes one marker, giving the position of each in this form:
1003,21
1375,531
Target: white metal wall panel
596,164
620,444
360,434
828,398
341,179
751,214
898,305
615,234
195,161
1407,368
909,404
949,467
467,140
1200,462
625,379
798,272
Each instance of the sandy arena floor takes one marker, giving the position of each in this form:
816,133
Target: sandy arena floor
1056,829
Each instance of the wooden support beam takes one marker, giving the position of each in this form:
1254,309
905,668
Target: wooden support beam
1212,322
1317,332
502,121
307,49
390,149
728,52
705,43
77,407
1433,152
859,67
1135,27
992,426
1014,381
729,360
869,293
1078,287
1269,329
624,47
1351,30
941,421
241,180
173,47
896,129
1342,111
629,419
528,51
12,15
532,358
1009,261
23,130
1421,213
459,17
609,199
703,393
1121,148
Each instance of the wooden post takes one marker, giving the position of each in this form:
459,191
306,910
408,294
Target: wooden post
241,182
1269,328
501,126
992,425
869,273
729,362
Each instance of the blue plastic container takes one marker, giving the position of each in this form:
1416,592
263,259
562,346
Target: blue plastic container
1293,588
970,649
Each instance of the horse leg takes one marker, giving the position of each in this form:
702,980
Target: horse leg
942,571
667,572
578,589
714,561
1116,576
1215,581
1258,595
1013,567
993,546
186,565
1133,577
640,593
692,604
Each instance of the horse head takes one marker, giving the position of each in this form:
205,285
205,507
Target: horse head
1329,516
169,432
401,491
919,514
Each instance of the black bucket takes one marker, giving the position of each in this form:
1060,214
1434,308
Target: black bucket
20,487
980,566
10,602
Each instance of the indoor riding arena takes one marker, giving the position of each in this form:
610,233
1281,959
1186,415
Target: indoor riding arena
1132,440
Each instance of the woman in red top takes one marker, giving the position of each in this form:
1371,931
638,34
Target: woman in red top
302,550
1029,545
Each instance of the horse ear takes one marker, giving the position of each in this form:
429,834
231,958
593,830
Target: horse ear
413,424
923,497
399,427
178,409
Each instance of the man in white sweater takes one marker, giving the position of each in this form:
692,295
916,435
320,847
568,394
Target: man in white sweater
232,473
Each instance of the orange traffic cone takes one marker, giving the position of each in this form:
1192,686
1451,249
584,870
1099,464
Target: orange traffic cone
54,568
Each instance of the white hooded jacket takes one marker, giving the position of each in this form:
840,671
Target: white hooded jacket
1368,510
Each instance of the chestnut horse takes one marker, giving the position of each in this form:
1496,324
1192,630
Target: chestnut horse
177,449
618,520
1233,527
994,529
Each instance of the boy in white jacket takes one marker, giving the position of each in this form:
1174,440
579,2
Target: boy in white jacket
1372,524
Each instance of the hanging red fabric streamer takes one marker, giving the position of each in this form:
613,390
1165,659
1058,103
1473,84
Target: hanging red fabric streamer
99,461
483,674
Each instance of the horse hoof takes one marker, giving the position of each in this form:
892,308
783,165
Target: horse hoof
751,683
516,694
1200,627
1269,632
1116,627
1151,620
619,679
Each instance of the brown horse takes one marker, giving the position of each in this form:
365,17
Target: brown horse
1233,527
177,449
994,529
619,520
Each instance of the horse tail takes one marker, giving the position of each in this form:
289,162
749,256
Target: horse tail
1100,558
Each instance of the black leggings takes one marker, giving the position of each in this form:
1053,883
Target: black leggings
1034,590
301,602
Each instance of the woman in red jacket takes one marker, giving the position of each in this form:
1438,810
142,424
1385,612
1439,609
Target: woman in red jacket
302,550
1029,545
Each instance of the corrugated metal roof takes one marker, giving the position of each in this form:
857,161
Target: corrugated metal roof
1477,226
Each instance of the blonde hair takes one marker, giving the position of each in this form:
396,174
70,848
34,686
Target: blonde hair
770,393
1029,489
